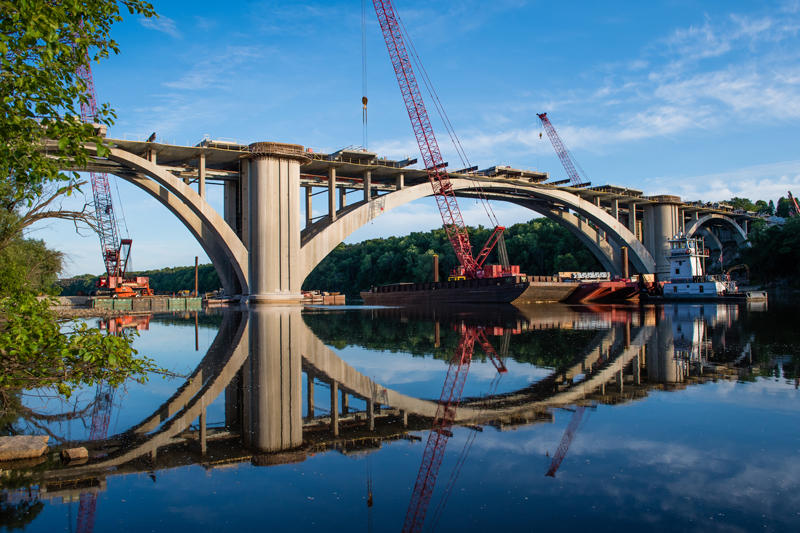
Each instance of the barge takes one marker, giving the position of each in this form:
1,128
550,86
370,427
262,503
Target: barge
516,289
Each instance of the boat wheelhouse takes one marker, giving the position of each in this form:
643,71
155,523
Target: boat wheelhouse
687,271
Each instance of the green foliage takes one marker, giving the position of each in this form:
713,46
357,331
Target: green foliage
784,208
743,203
43,44
764,208
541,247
774,252
27,265
35,353
166,280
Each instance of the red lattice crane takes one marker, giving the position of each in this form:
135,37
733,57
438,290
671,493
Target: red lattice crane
563,153
115,251
566,440
471,267
443,422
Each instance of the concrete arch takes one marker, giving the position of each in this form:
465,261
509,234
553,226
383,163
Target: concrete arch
736,230
219,241
320,239
715,243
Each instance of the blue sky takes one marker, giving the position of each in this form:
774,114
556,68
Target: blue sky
697,99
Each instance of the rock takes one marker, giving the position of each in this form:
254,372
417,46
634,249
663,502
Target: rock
75,454
22,447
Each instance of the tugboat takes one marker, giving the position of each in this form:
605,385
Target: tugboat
688,280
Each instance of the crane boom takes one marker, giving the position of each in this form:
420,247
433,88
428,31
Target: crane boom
561,150
566,440
429,148
110,244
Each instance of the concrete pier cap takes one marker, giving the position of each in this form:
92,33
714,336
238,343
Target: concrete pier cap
273,210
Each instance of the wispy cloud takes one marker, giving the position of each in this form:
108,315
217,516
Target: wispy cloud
212,70
162,24
756,182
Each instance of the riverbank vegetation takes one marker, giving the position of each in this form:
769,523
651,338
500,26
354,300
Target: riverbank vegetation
774,253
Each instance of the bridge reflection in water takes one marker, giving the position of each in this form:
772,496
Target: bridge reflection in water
258,360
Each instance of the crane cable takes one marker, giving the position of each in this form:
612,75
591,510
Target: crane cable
445,119
364,70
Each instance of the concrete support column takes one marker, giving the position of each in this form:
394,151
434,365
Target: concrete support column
404,417
335,408
273,377
620,380
309,206
615,209
632,217
152,156
203,432
743,224
332,193
342,198
310,395
636,370
371,415
661,222
399,182
274,216
345,403
201,176
367,186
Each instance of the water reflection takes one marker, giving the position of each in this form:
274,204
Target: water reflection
288,390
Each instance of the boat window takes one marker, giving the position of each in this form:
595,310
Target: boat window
677,270
675,289
692,244
701,288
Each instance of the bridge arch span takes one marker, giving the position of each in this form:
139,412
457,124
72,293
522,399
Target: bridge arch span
320,239
226,251
714,219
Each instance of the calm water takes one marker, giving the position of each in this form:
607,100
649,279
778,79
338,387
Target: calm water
665,418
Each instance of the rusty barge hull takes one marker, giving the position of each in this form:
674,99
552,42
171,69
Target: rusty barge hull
476,291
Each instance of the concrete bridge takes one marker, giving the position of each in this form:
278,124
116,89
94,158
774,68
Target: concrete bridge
266,241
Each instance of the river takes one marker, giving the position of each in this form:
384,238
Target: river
548,417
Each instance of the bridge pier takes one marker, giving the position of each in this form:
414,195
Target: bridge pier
274,222
660,223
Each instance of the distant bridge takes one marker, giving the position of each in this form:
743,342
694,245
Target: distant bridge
262,253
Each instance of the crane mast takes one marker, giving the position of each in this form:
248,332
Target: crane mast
115,251
431,155
562,152
110,244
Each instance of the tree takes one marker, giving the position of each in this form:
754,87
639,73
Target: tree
43,44
784,208
743,203
43,47
763,208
